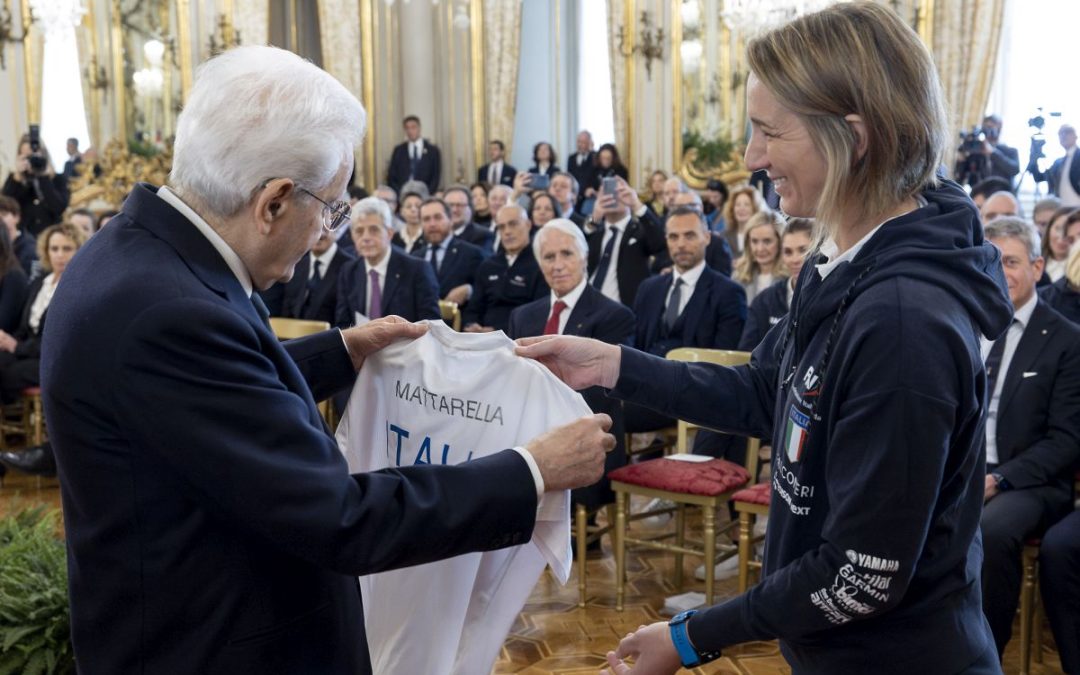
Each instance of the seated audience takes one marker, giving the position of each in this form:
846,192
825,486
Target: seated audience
542,209
454,260
745,201
482,214
84,219
42,195
576,308
717,253
772,304
654,196
716,196
1032,429
1064,229
620,248
459,200
383,280
608,164
759,265
313,290
582,166
410,238
982,190
13,286
564,188
1064,294
999,204
545,161
508,279
23,245
1042,213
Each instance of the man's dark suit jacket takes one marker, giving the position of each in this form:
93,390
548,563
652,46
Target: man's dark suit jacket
428,170
585,174
480,237
1038,428
1052,176
640,241
212,525
322,305
409,290
459,264
712,319
417,245
25,249
500,288
768,309
1004,162
594,316
506,178
1063,298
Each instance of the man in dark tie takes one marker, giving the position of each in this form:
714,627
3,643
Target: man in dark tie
384,281
312,292
496,171
1063,176
619,252
454,261
1032,425
415,159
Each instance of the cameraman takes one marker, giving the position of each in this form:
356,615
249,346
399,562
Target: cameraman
1000,160
41,193
1063,176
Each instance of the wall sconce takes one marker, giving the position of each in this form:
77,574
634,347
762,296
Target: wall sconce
96,77
6,35
650,43
229,36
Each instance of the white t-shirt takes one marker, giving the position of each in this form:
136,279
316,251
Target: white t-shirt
443,399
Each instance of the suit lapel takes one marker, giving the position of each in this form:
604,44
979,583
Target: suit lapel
582,309
327,280
393,277
358,297
448,262
300,278
1032,342
694,309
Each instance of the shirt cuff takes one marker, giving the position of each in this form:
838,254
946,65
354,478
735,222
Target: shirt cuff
537,478
641,211
345,344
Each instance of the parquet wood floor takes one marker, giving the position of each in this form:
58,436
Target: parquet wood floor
552,636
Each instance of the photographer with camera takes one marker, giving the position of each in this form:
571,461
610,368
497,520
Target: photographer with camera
1063,176
41,193
981,155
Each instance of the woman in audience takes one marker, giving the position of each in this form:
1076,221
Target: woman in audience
12,285
654,196
411,237
743,203
542,209
1064,294
608,164
771,305
20,350
759,265
481,211
1056,243
545,161
872,389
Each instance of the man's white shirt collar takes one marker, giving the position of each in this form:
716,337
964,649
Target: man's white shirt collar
325,258
1023,315
380,267
691,276
571,298
223,249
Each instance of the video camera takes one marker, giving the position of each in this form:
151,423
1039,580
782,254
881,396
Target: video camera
971,164
38,162
1038,141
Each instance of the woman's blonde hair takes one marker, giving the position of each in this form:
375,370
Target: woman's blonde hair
746,268
1072,266
72,232
859,58
744,189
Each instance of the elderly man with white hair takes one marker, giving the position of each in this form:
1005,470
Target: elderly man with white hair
212,525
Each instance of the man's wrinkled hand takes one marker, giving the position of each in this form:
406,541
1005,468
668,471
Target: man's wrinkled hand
572,456
362,341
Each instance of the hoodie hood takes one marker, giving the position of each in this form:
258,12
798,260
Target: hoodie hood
941,243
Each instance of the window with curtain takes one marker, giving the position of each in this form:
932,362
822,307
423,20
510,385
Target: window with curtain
595,111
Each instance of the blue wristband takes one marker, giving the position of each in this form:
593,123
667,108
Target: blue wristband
688,655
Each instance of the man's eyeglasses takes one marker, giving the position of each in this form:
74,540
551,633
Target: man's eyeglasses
334,216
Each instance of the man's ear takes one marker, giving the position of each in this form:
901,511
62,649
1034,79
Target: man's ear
273,202
858,127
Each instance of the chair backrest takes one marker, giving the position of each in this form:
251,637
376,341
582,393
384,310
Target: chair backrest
287,329
451,313
721,357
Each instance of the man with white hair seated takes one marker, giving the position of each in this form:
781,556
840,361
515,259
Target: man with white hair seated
212,525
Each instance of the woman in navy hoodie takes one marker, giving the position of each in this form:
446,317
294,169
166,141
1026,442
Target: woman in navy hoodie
871,390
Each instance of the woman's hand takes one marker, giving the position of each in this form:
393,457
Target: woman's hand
652,650
362,341
7,343
579,362
522,179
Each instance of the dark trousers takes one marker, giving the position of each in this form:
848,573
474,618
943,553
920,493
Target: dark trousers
1059,579
17,374
1008,520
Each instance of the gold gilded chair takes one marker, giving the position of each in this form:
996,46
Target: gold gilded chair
288,329
707,485
1030,617
750,504
451,314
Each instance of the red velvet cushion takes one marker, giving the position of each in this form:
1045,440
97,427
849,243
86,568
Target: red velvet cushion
1033,541
32,391
755,494
710,478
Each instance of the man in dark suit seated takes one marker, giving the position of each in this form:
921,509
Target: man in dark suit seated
384,281
576,308
619,251
455,262
1063,176
496,171
565,188
313,290
459,200
212,525
693,306
415,159
1032,425
508,279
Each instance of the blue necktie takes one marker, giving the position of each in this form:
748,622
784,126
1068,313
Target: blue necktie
605,260
414,161
435,259
671,315
993,362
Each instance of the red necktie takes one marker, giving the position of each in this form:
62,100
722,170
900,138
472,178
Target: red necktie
552,325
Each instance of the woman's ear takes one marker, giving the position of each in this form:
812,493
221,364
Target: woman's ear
858,126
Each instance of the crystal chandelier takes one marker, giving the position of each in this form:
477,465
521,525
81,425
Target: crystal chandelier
57,17
754,16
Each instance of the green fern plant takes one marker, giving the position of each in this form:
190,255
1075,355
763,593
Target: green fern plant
711,152
35,635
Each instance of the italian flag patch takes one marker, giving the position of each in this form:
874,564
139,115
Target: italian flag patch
798,426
